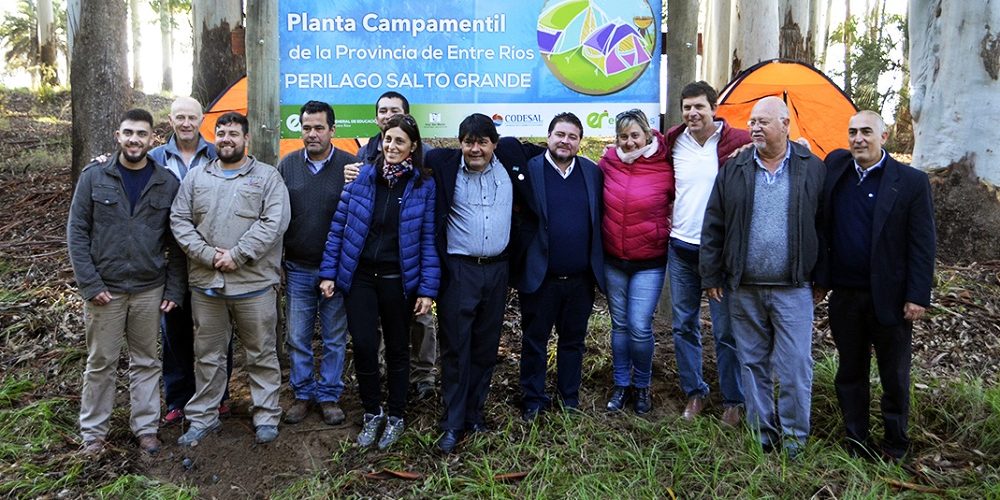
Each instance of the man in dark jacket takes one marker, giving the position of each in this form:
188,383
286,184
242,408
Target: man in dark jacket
881,242
698,148
760,242
126,281
563,261
314,176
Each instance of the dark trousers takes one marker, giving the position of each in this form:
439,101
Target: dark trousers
371,299
177,336
855,331
470,314
566,303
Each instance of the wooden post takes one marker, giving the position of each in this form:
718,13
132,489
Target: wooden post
263,109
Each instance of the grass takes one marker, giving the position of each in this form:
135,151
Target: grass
35,428
143,488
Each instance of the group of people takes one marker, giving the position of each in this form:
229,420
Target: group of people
367,244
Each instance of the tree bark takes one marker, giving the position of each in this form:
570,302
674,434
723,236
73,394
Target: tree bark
215,65
99,85
72,27
134,18
754,33
715,59
848,88
955,75
167,46
262,80
47,43
682,47
797,38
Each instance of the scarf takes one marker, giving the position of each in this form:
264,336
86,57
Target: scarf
392,173
646,151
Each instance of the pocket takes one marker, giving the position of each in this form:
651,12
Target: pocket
106,200
201,199
247,203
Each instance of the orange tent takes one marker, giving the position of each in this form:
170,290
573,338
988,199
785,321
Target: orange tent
234,98
817,108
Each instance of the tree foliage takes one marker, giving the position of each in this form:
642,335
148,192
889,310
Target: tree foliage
19,36
875,38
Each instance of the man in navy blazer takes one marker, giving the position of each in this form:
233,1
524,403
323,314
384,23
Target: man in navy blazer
880,229
476,194
563,261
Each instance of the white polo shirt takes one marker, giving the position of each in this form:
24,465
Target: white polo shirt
695,168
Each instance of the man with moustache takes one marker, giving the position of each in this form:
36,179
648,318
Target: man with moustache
126,281
563,261
229,217
760,242
314,176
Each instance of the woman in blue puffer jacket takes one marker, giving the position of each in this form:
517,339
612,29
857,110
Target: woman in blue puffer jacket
380,254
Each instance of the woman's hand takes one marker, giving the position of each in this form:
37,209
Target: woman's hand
327,287
423,306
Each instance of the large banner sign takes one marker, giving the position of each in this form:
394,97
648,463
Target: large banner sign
520,62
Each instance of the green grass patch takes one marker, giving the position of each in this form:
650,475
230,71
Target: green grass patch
143,488
32,480
39,427
12,388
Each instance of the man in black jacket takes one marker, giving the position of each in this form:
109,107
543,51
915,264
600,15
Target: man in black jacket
880,229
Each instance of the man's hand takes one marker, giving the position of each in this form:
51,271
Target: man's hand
327,287
912,312
101,299
167,305
351,171
715,294
739,150
423,306
223,260
819,293
101,158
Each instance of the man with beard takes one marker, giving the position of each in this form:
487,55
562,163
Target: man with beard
229,217
563,260
128,271
314,176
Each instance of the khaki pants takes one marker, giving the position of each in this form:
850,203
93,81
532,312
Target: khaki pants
423,349
255,319
133,319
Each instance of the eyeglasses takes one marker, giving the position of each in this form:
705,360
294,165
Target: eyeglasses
761,123
634,113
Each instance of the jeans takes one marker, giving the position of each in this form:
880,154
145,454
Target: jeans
773,327
685,296
632,299
304,304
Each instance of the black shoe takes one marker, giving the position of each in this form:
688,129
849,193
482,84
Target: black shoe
449,440
477,428
619,398
643,401
531,414
424,390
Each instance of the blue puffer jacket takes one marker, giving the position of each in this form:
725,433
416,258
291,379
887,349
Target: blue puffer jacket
349,229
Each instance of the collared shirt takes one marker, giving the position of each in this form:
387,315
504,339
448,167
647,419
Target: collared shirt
170,156
316,166
770,178
479,222
862,173
695,169
552,162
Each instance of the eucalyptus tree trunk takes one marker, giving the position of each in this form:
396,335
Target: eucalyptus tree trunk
715,59
136,24
754,33
47,43
167,46
215,65
797,38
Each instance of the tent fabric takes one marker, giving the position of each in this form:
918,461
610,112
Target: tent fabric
818,109
234,98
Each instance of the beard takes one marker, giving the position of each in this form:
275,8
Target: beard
133,158
233,157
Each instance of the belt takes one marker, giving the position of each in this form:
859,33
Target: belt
563,277
482,261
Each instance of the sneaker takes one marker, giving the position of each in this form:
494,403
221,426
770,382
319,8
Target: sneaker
173,417
194,435
149,444
224,410
643,401
619,397
425,390
370,428
297,412
332,414
393,431
266,433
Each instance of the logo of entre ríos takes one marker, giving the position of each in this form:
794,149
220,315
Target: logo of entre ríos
594,119
597,47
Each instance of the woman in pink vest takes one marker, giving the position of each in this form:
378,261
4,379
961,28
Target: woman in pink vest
638,196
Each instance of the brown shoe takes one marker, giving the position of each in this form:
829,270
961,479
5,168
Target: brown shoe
732,416
149,444
332,414
297,412
693,408
93,447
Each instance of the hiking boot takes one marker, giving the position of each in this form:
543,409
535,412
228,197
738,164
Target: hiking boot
619,397
732,416
266,433
173,417
643,401
332,414
370,428
393,431
94,447
194,435
297,412
149,444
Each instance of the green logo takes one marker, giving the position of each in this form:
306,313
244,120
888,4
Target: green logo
594,119
597,47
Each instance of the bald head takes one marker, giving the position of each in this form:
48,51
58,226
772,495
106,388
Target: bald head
185,118
769,125
866,134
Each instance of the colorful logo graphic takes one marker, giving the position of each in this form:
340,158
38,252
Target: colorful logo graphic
497,119
597,47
